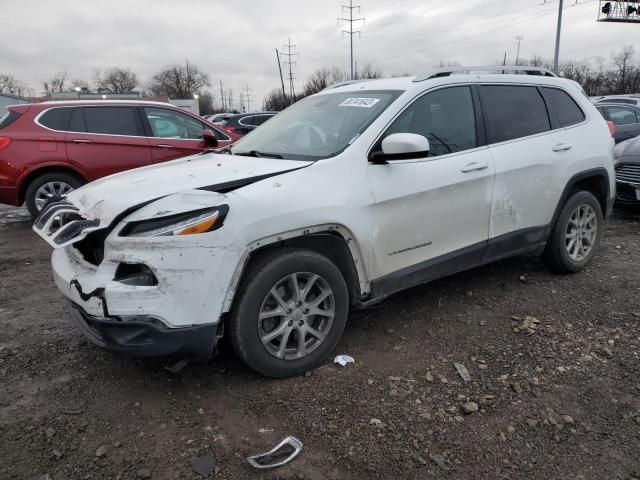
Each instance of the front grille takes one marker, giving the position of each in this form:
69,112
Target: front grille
628,173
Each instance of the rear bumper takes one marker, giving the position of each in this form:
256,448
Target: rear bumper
9,196
145,336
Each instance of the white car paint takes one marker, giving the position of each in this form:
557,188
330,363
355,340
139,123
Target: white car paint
392,216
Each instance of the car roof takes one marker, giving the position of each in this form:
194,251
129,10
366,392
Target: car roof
446,75
103,102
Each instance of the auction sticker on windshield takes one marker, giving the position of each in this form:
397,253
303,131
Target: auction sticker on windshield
363,102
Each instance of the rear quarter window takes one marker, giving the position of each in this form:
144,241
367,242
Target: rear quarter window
55,119
565,107
8,118
514,111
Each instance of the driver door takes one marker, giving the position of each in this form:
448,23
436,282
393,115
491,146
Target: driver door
431,215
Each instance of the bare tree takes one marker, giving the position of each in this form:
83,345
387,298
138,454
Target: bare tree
178,81
11,85
276,101
116,80
56,84
322,78
205,103
368,72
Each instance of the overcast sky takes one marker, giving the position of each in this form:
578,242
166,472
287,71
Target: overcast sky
234,41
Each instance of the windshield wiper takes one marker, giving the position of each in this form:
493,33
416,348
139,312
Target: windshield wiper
256,153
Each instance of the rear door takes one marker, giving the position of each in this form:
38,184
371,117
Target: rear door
106,140
528,155
173,134
626,120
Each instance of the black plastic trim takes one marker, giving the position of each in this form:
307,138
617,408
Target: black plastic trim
593,172
243,182
145,336
526,240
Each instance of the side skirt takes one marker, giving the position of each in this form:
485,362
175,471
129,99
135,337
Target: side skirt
526,241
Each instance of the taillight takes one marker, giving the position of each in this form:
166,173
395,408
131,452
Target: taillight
612,127
4,142
230,129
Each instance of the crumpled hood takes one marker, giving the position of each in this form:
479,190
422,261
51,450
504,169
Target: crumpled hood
108,197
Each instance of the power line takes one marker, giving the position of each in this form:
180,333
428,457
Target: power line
289,54
351,21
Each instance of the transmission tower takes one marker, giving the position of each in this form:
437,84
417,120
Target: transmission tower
351,32
519,39
290,53
248,93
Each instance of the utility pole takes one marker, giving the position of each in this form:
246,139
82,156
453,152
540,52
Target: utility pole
290,53
557,51
248,94
224,107
351,32
284,94
519,39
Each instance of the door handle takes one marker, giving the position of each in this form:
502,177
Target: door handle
561,147
474,166
80,140
164,145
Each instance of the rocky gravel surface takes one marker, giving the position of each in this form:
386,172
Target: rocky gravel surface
503,372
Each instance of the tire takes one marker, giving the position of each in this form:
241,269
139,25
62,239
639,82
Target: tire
56,178
560,255
277,271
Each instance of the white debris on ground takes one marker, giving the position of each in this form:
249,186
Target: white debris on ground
343,360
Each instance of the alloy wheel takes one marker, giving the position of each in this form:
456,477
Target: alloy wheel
296,315
50,191
581,232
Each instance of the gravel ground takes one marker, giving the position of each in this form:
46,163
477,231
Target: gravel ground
554,390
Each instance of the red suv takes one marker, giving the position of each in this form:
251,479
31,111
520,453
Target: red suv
48,149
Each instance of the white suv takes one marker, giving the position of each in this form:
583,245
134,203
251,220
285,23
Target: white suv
346,197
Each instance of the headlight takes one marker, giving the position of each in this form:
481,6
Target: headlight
190,223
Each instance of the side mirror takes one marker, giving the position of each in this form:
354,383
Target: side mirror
402,146
209,138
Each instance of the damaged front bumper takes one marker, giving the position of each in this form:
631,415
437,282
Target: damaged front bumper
144,336
175,309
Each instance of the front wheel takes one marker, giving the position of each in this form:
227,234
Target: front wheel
575,237
290,312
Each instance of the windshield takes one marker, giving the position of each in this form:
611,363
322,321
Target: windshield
317,127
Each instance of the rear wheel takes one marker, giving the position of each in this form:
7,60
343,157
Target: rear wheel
49,187
290,312
576,235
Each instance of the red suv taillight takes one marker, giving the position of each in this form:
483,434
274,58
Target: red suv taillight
4,142
612,127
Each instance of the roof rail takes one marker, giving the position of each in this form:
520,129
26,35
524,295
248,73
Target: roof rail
446,71
342,84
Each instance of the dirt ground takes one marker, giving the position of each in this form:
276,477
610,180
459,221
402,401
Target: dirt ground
557,399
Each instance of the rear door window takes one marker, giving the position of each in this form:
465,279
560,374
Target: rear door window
622,115
113,121
56,118
513,111
565,107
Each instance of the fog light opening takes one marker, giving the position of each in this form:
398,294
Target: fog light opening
135,274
